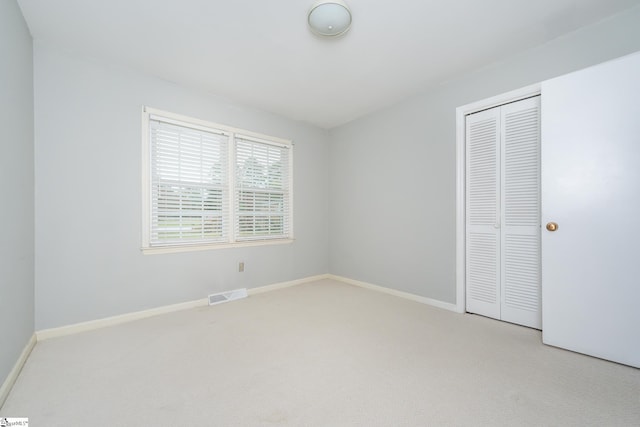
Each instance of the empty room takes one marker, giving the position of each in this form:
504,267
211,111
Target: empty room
320,213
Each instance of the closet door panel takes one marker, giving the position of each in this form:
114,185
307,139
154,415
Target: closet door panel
520,201
483,213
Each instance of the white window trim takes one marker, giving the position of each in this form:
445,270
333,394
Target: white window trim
146,247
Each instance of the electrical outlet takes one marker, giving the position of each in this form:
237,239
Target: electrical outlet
241,267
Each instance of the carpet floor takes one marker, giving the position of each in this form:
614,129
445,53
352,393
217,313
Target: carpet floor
319,354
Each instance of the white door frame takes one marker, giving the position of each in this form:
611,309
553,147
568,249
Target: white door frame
461,112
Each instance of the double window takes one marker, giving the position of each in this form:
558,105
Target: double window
208,185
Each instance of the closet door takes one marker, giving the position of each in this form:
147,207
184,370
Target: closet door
503,213
520,213
482,213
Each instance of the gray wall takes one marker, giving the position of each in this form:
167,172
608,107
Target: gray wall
16,176
397,228
88,196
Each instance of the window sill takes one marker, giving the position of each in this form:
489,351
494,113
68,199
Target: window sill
188,248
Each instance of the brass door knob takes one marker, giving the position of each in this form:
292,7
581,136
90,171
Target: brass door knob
552,226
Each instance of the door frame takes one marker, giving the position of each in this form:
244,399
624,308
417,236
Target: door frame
461,113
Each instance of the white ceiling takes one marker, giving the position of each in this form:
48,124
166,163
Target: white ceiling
260,53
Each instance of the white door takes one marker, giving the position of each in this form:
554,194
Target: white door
503,212
520,212
483,213
591,189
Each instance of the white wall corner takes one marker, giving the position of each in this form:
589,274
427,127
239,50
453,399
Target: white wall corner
13,375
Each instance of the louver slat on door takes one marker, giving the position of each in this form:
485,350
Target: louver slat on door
482,272
522,273
520,293
483,243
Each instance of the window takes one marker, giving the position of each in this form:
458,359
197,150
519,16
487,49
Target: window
208,185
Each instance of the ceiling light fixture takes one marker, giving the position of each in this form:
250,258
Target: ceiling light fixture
329,18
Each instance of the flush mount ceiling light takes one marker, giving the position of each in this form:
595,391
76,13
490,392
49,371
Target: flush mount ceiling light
329,18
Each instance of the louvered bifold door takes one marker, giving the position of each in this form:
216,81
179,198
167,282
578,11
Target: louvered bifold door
520,213
482,213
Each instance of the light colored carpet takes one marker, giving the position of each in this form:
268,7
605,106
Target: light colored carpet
319,354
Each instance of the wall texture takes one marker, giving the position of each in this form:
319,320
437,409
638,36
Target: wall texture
88,196
392,173
16,175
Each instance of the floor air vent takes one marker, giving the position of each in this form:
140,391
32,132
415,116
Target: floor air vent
227,296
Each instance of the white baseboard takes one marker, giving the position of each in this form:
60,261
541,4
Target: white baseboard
13,375
276,286
124,318
406,295
45,334
129,317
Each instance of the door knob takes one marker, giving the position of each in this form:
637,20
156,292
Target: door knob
552,226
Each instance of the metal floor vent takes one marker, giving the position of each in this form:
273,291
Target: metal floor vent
227,296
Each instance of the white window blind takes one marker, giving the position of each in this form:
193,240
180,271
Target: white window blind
189,185
262,194
209,185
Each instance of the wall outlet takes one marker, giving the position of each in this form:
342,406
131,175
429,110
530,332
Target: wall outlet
241,267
